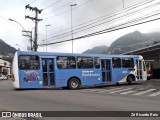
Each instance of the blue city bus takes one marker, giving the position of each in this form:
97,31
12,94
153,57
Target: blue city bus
56,70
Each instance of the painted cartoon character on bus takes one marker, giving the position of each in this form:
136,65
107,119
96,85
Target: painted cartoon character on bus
31,76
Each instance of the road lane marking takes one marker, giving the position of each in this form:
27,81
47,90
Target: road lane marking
120,90
143,92
93,90
155,94
107,90
125,93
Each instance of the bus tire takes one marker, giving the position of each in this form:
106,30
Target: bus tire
73,83
129,80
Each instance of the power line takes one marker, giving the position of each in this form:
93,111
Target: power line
106,30
33,1
10,23
64,13
107,16
52,4
113,15
58,8
83,18
76,25
64,6
43,3
85,27
116,27
130,14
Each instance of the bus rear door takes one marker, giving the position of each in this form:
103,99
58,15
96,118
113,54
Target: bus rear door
48,72
106,70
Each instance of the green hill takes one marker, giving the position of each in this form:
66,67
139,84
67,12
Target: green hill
6,51
97,50
133,41
129,42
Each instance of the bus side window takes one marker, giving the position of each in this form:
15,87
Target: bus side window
66,62
84,62
80,63
127,63
71,63
22,66
96,62
59,66
88,62
116,62
28,62
60,62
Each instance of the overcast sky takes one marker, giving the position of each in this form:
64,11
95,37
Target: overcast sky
101,14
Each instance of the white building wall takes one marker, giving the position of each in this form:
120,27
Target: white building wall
5,65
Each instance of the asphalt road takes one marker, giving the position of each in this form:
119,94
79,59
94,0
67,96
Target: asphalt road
138,97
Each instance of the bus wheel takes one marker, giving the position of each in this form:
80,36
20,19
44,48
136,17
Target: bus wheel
129,80
73,83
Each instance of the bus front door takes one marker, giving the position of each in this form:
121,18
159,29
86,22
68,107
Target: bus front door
48,72
141,70
106,70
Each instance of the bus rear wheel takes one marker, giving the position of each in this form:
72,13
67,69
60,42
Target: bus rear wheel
73,84
129,80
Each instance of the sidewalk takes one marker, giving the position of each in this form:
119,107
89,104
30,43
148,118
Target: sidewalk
154,80
152,83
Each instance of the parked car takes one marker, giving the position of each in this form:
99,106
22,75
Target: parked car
3,77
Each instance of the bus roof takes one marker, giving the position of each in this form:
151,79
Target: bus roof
73,54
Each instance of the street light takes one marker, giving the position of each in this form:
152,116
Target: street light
24,31
17,22
71,25
123,3
21,46
43,46
46,35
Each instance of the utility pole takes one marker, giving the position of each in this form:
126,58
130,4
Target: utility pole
46,35
37,11
71,25
123,3
30,36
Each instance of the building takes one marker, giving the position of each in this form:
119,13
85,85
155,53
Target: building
150,53
5,67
